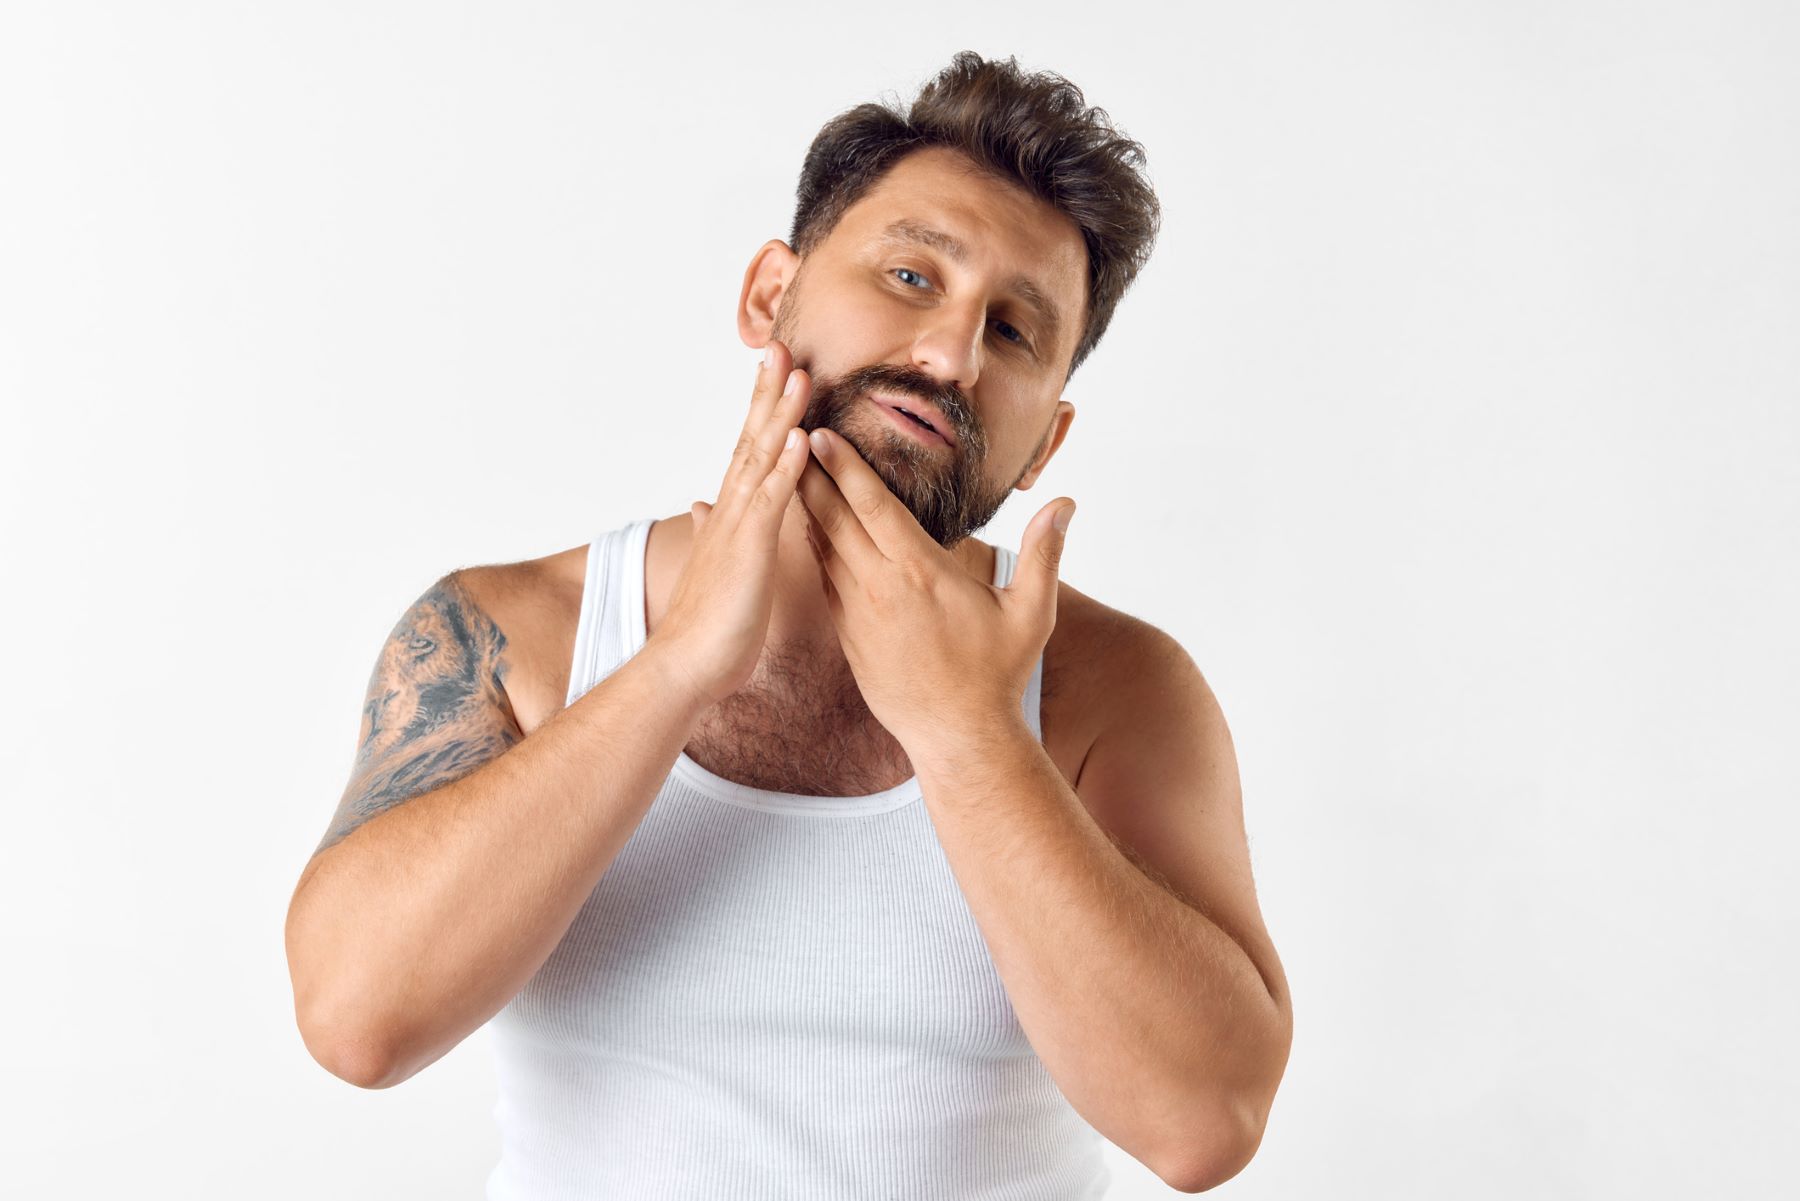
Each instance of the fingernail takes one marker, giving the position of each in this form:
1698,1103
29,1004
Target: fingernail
769,355
793,381
818,440
1061,520
793,439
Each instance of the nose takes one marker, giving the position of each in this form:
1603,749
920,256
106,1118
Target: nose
949,343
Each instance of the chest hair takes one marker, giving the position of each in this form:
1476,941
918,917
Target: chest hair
799,726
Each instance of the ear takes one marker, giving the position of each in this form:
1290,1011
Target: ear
1053,438
766,282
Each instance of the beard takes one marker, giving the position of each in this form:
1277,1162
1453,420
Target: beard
945,488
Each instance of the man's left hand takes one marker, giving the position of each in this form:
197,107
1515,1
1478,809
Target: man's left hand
936,652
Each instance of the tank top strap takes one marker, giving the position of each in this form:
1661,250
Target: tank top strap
1006,562
614,580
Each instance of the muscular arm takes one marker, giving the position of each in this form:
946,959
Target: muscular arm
462,850
1170,1031
436,707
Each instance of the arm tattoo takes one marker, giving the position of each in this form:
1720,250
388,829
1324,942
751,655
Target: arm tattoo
436,707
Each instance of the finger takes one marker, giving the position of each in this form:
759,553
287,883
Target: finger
757,456
774,408
843,536
887,525
834,573
821,547
701,511
1040,555
769,503
771,375
790,406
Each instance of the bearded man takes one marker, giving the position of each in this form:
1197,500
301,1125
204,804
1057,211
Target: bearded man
804,845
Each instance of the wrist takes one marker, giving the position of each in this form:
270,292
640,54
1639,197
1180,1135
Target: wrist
954,746
674,678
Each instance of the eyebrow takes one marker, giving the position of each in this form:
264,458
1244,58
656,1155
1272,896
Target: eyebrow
906,232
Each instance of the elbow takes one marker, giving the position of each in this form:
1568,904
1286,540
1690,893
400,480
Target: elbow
354,1057
357,1043
350,1048
1212,1173
1212,1162
1222,1147
1225,1145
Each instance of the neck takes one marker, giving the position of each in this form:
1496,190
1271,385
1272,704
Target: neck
799,619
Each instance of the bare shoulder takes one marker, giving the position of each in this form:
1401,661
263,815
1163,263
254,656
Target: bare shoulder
467,671
1158,769
434,709
534,605
1100,665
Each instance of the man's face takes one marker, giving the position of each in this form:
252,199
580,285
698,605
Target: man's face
884,315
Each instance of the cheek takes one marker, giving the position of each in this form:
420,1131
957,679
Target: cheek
1013,440
860,321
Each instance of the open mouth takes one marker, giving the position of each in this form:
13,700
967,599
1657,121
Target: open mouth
913,423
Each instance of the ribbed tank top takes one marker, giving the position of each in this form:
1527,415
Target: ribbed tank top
771,995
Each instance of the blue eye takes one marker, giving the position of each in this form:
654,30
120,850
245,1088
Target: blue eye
902,272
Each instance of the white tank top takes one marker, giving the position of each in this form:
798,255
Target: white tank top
771,995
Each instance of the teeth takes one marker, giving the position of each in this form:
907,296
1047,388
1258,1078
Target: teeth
920,420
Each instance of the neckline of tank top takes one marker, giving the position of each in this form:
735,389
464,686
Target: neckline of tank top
731,792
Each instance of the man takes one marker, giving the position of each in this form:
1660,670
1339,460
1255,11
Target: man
804,845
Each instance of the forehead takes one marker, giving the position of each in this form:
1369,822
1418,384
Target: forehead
1007,233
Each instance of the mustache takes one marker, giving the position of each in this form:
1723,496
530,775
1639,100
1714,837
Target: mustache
901,381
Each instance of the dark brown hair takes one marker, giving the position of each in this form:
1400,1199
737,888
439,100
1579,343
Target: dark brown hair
1033,130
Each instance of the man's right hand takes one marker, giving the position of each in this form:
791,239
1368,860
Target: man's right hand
718,615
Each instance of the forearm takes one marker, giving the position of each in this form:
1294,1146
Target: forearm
426,920
1154,1023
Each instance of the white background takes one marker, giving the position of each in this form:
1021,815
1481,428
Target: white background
1452,428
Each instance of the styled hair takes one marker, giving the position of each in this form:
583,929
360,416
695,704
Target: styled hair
1034,130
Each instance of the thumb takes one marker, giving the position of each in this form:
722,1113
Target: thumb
1040,554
